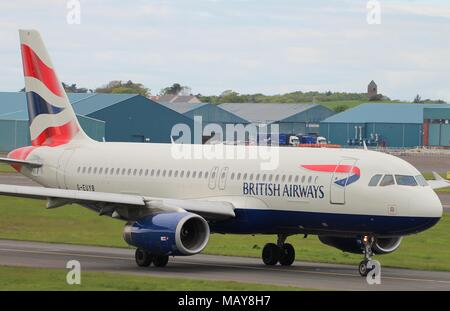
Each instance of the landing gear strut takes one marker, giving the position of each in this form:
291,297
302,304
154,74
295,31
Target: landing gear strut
145,259
281,252
368,253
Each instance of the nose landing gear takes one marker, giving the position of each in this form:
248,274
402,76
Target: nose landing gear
281,252
363,267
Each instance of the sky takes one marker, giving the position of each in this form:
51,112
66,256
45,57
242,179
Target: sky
250,46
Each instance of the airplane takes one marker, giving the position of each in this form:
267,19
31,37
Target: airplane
358,201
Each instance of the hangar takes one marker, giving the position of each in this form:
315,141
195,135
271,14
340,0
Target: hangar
390,125
291,118
131,117
208,112
14,121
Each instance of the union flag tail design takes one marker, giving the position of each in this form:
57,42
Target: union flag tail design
51,117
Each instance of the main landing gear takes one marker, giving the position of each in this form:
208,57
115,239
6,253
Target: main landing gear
368,253
281,252
145,259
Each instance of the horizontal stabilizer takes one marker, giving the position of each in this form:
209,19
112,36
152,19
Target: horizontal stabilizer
30,164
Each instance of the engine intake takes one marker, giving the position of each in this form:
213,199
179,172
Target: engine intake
169,234
354,245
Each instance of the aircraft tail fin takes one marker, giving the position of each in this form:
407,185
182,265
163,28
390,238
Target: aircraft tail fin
52,120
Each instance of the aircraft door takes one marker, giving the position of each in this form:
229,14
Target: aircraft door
223,178
61,169
339,180
213,177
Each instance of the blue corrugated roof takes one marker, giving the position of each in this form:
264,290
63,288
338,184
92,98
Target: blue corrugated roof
96,102
13,105
383,113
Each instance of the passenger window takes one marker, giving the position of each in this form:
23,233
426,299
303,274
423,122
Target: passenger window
194,174
200,174
206,174
405,180
277,177
106,170
158,172
164,173
95,170
290,178
303,179
296,178
129,171
374,180
421,180
257,177
140,172
283,178
232,176
238,176
264,177
182,174
175,174
100,171
117,171
387,180
188,173
134,172
309,179
146,172
89,170
245,176
170,173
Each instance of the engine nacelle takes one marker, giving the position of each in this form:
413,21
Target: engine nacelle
352,245
181,234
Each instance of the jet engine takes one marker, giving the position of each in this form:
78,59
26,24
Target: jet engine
354,245
180,234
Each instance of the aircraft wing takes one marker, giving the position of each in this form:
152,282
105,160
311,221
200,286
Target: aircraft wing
438,182
30,164
117,205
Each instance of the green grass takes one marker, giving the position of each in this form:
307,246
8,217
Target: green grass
24,219
352,103
20,278
5,168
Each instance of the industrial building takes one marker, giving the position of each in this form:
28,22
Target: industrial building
110,117
14,121
291,118
210,114
131,117
390,125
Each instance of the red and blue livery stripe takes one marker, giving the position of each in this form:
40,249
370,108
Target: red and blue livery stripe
354,173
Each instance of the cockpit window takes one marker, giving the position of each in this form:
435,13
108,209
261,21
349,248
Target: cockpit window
374,180
421,180
387,181
405,180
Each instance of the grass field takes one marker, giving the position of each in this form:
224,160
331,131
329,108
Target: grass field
14,278
4,168
24,219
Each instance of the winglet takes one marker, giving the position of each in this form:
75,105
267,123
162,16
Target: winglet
437,176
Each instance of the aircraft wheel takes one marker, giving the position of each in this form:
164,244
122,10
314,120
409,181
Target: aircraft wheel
287,255
160,261
143,258
363,269
270,254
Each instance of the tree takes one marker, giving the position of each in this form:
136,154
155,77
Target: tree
128,87
417,99
176,89
340,108
72,88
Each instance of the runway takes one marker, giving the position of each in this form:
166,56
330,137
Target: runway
207,267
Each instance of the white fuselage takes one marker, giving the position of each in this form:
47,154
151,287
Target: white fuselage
151,170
